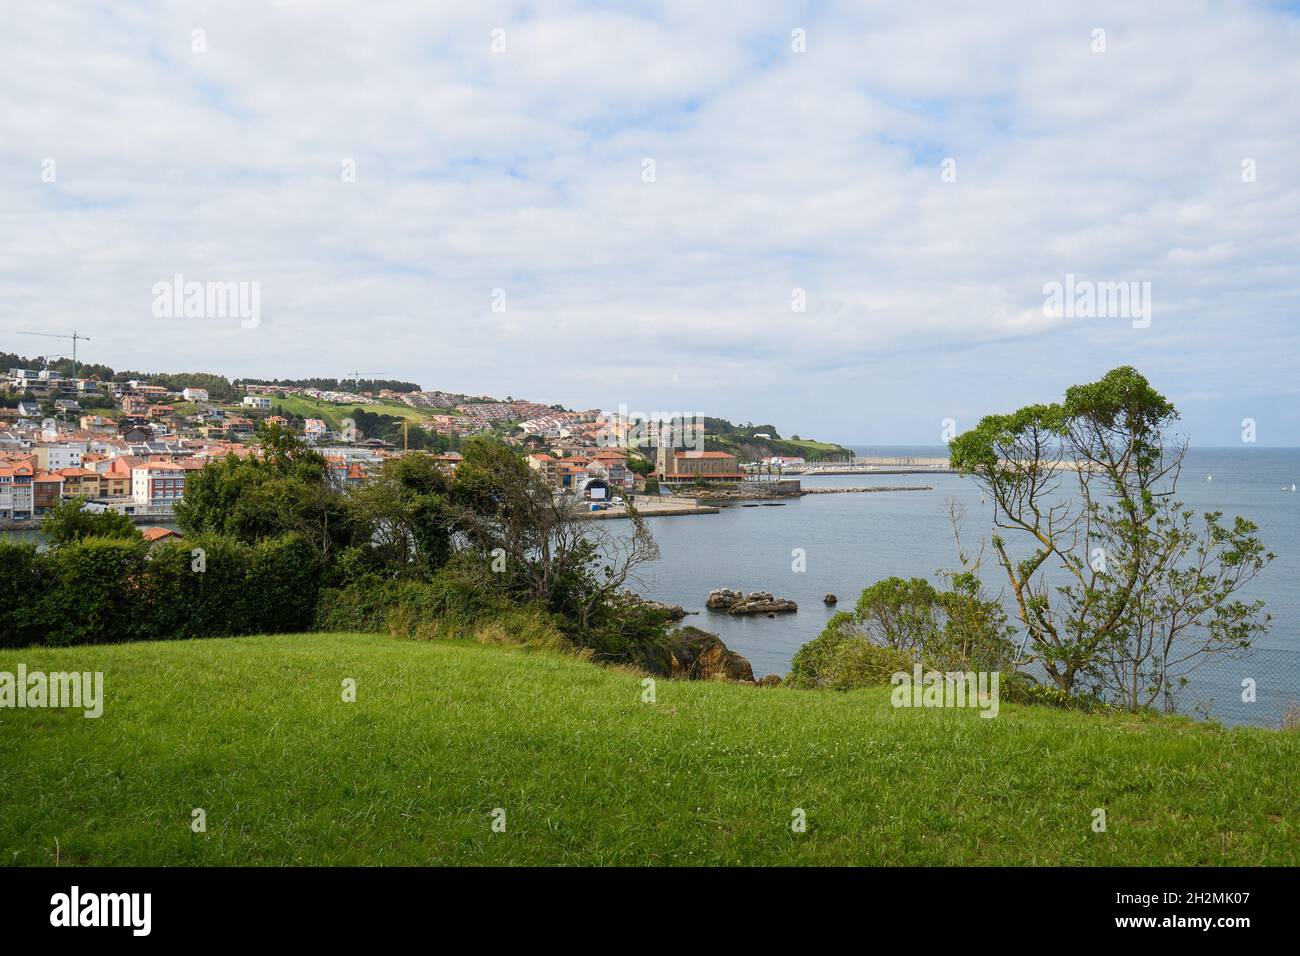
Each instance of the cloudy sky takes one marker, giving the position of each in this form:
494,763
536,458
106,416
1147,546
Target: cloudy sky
644,186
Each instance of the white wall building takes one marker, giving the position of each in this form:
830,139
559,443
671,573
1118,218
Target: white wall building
157,484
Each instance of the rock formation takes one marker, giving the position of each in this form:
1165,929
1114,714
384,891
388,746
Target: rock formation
755,602
699,655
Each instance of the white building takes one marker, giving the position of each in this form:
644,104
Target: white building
195,394
63,455
260,402
157,485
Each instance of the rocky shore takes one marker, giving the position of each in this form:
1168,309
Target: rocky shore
675,611
694,654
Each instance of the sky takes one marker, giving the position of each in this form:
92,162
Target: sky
840,219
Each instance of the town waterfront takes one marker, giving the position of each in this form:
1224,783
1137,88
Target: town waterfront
851,541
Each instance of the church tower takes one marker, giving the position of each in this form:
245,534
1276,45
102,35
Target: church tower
664,464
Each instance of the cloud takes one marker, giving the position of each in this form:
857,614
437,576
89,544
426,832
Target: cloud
524,170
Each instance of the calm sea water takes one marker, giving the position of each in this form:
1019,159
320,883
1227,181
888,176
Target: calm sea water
851,540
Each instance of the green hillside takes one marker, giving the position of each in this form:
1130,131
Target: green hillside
253,731
333,415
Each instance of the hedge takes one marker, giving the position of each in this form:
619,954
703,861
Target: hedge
107,590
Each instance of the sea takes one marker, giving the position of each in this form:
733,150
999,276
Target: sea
849,541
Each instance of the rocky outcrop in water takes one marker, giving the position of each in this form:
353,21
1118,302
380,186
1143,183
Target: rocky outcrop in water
755,602
720,599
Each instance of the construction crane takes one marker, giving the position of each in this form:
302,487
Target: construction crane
75,336
356,377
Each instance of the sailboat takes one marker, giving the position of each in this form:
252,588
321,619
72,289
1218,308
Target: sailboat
1209,477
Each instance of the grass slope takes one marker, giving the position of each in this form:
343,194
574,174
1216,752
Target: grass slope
333,415
254,731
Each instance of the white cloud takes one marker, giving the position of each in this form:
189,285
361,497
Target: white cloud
774,170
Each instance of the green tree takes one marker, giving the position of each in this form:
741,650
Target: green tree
286,489
405,511
1105,552
69,521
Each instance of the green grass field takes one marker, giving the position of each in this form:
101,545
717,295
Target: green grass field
254,731
333,415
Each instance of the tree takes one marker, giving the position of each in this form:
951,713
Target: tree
405,511
1086,487
541,551
69,521
1184,610
285,490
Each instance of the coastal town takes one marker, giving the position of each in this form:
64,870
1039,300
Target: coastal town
130,444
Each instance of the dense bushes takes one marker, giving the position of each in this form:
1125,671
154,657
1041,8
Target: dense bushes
488,552
260,588
20,584
108,590
450,605
92,591
841,659
898,623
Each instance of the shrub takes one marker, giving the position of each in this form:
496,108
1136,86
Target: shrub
459,601
859,663
92,594
361,604
263,588
283,578
1291,719
1020,688
69,521
185,602
840,658
20,588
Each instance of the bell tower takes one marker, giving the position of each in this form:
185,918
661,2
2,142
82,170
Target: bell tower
664,459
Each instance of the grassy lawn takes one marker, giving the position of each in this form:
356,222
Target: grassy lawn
254,731
333,415
788,446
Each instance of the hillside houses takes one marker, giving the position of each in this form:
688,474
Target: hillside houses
134,445
570,473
